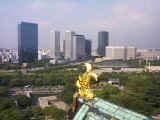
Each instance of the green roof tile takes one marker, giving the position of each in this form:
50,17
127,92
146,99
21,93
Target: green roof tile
104,110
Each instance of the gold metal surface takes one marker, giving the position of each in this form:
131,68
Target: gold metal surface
83,83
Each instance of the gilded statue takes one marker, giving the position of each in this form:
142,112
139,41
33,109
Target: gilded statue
83,83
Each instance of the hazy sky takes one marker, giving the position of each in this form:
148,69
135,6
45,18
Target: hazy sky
130,22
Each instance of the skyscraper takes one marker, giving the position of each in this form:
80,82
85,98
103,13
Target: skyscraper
55,44
103,41
78,47
88,47
69,44
27,42
64,45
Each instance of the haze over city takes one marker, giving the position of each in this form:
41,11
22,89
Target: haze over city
128,22
79,60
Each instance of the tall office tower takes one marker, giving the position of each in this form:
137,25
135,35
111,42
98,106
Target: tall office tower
69,44
64,44
103,41
88,47
27,42
55,44
78,47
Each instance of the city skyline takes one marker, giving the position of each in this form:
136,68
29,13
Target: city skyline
129,22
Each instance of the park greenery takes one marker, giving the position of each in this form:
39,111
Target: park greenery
140,93
20,107
9,110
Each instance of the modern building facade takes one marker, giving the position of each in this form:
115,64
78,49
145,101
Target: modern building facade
1,60
69,44
121,52
27,42
88,47
116,52
64,45
103,41
130,53
55,44
94,52
78,47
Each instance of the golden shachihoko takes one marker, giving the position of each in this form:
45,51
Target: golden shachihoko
83,83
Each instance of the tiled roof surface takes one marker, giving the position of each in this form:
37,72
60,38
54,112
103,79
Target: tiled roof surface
104,110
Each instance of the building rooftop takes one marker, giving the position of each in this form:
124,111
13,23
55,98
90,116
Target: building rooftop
99,109
52,101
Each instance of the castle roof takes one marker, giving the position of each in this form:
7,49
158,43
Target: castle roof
98,109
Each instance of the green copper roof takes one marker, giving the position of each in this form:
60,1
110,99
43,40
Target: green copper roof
104,110
82,112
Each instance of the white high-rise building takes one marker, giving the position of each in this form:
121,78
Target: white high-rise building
62,43
55,44
78,47
69,44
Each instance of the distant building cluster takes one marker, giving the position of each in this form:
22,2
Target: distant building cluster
43,53
73,47
148,54
11,55
8,56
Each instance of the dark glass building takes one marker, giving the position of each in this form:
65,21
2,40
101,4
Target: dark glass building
103,41
27,42
88,47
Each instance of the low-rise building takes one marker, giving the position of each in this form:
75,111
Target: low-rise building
130,53
148,54
116,52
153,68
113,81
120,52
52,101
